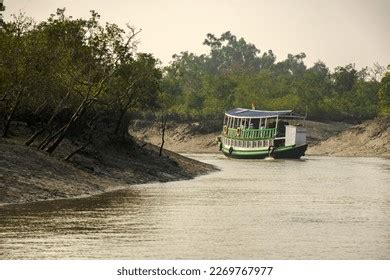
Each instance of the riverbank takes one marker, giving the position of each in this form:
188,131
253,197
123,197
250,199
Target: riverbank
28,175
198,137
371,138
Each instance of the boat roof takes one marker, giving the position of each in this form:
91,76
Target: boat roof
250,113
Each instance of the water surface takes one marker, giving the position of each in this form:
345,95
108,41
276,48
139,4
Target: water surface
317,208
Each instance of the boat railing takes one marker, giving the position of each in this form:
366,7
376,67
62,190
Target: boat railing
251,133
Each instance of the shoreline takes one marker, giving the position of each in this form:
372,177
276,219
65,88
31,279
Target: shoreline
111,188
28,175
371,138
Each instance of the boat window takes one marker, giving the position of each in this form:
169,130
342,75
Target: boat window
254,123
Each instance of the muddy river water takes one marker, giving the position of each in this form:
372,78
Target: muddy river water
316,208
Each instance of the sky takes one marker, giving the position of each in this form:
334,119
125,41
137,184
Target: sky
337,32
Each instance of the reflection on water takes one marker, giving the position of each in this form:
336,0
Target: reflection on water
318,208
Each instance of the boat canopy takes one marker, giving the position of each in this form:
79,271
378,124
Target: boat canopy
248,113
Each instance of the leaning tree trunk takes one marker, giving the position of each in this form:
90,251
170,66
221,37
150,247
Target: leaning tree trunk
50,138
91,131
121,115
42,130
79,112
78,150
163,127
34,136
8,119
119,121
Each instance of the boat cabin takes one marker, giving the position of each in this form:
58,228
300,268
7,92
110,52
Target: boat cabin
248,130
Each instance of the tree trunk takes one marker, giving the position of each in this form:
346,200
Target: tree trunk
8,119
50,138
163,126
119,121
77,150
92,128
35,135
79,112
121,115
55,113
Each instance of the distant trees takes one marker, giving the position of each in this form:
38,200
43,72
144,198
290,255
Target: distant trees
64,75
235,73
384,95
65,71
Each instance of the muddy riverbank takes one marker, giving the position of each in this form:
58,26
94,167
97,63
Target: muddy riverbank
27,174
371,138
198,137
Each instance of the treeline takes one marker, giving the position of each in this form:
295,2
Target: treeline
236,74
68,76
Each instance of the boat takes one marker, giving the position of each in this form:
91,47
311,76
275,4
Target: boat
258,134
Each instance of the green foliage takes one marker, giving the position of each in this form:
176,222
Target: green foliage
70,66
75,66
384,95
236,74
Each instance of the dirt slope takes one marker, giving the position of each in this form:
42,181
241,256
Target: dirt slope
195,137
371,138
28,175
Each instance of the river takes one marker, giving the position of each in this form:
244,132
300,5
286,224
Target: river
315,208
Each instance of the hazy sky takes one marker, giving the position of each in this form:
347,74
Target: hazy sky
336,32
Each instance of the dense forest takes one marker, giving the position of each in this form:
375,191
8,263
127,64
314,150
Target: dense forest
64,75
68,76
236,74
